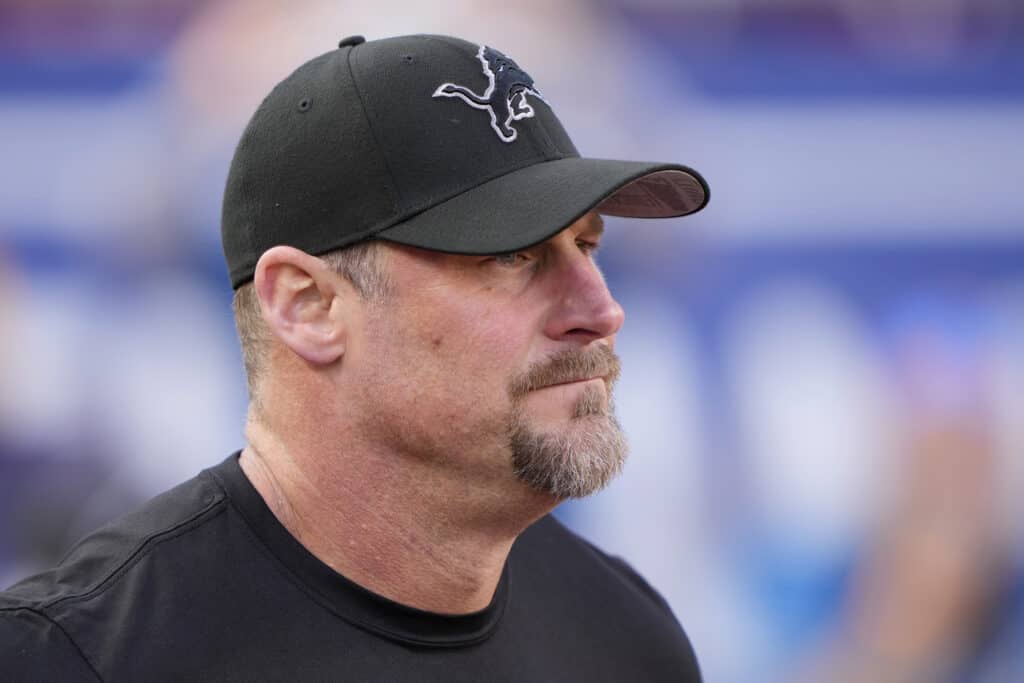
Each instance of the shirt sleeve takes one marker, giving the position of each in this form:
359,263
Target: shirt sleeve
33,648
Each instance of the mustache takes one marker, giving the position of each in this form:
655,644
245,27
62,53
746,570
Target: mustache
568,366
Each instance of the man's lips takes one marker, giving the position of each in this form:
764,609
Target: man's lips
574,381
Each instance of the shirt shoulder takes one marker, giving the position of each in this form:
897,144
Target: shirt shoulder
553,539
100,559
41,629
34,648
576,587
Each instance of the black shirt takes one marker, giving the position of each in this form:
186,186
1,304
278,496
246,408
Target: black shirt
204,584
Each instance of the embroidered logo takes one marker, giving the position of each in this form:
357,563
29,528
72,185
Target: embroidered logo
505,97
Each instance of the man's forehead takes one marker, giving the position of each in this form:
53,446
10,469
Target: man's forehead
591,223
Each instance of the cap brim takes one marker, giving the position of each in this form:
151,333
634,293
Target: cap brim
529,205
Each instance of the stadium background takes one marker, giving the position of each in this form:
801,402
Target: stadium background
823,371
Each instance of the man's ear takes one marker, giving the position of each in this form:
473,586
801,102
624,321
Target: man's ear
298,296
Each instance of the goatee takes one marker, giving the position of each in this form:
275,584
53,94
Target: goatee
585,455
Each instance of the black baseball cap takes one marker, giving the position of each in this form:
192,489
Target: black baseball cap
429,141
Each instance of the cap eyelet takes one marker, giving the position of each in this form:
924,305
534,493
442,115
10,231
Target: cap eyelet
408,59
304,104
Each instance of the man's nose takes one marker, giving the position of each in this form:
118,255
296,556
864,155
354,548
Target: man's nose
586,310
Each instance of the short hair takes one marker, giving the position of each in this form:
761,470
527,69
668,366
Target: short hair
360,264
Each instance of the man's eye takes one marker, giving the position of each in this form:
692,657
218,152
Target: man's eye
588,247
510,259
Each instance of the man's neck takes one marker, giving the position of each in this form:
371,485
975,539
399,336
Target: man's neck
409,534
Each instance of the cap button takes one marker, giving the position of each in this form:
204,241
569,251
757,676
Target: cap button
351,41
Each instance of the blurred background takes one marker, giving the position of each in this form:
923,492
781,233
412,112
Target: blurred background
824,370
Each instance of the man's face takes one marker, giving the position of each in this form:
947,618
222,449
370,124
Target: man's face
501,367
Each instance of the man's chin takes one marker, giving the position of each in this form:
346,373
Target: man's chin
572,459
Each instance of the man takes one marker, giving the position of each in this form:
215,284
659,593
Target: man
428,344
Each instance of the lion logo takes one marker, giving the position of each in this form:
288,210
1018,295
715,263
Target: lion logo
505,97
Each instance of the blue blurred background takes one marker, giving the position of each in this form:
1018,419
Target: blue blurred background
824,370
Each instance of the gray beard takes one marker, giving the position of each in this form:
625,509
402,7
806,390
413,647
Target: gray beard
573,462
